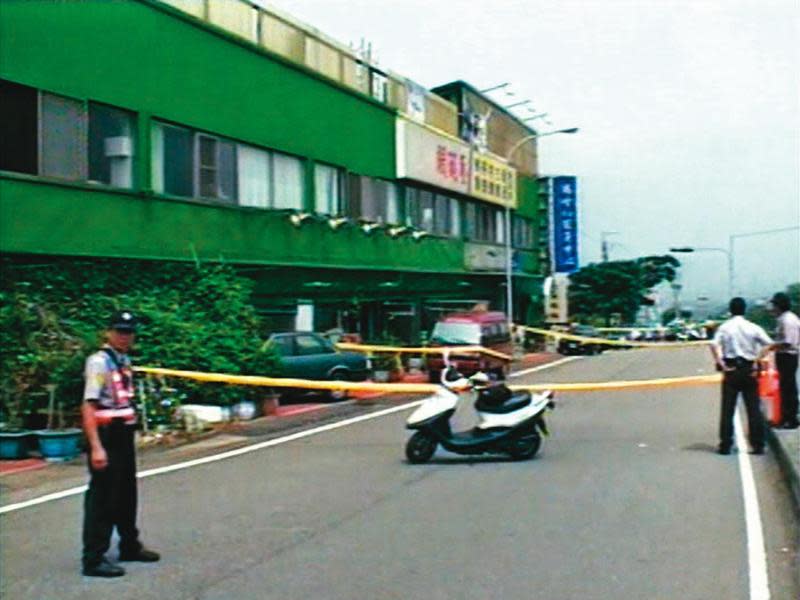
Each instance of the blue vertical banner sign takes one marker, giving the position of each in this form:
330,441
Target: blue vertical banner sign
564,211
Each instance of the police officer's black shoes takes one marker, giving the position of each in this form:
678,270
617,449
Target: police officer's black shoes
103,569
723,450
140,555
757,451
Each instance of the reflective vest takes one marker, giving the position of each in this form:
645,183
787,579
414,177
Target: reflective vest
120,386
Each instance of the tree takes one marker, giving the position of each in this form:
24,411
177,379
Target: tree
601,289
761,314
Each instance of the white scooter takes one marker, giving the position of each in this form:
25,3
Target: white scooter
508,423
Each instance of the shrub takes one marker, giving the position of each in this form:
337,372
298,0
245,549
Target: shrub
193,317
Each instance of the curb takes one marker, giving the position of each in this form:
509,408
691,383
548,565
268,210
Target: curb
10,467
787,466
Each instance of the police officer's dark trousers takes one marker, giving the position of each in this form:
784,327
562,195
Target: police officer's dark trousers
786,364
111,498
741,381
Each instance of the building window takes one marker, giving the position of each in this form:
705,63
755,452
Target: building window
254,180
434,213
52,135
500,227
484,223
392,203
379,86
426,212
441,215
327,190
216,168
111,145
63,138
373,200
522,233
455,217
19,128
173,160
287,181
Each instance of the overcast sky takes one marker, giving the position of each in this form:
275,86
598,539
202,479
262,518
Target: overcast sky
689,112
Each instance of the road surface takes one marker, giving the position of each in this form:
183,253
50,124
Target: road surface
626,499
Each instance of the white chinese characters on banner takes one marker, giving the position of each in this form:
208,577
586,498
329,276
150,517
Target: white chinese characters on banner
565,224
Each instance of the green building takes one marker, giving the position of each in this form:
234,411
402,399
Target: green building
215,130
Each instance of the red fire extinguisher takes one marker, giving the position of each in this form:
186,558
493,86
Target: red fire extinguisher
769,391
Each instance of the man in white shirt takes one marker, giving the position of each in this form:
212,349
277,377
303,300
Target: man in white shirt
737,347
787,346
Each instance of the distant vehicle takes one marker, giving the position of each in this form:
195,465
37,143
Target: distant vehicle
477,328
311,356
568,346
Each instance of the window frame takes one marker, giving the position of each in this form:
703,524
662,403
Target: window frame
217,169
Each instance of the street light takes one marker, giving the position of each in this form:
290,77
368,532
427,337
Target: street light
522,103
728,253
495,87
509,155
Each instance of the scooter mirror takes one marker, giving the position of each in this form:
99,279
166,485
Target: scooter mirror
446,358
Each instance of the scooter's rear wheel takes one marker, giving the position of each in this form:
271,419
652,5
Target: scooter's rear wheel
419,448
525,447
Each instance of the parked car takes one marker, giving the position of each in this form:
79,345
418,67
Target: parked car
477,328
569,346
311,356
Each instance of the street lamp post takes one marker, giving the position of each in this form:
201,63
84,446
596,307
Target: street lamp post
508,244
729,251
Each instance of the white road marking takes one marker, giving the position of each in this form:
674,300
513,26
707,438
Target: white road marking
756,555
247,449
542,367
216,457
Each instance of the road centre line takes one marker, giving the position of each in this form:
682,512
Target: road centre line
542,367
756,555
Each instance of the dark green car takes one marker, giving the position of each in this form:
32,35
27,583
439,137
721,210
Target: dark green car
311,356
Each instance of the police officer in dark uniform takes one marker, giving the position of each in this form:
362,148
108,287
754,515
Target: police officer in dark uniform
109,422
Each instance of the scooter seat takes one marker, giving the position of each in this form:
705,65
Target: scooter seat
516,402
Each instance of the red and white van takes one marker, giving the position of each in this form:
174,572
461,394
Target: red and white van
477,328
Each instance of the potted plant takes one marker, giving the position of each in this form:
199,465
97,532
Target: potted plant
59,443
14,438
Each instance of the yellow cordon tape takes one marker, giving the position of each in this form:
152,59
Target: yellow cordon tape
419,388
284,382
631,328
620,385
425,350
606,342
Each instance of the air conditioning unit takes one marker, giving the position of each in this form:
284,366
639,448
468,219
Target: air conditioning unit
118,147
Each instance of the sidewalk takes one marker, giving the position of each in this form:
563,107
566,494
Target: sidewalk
785,443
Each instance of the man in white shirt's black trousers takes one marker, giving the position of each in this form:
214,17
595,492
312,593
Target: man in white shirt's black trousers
737,347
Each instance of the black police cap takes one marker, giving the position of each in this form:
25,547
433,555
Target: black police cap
123,320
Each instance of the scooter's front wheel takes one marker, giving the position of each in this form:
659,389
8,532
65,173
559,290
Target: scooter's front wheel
525,447
420,447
